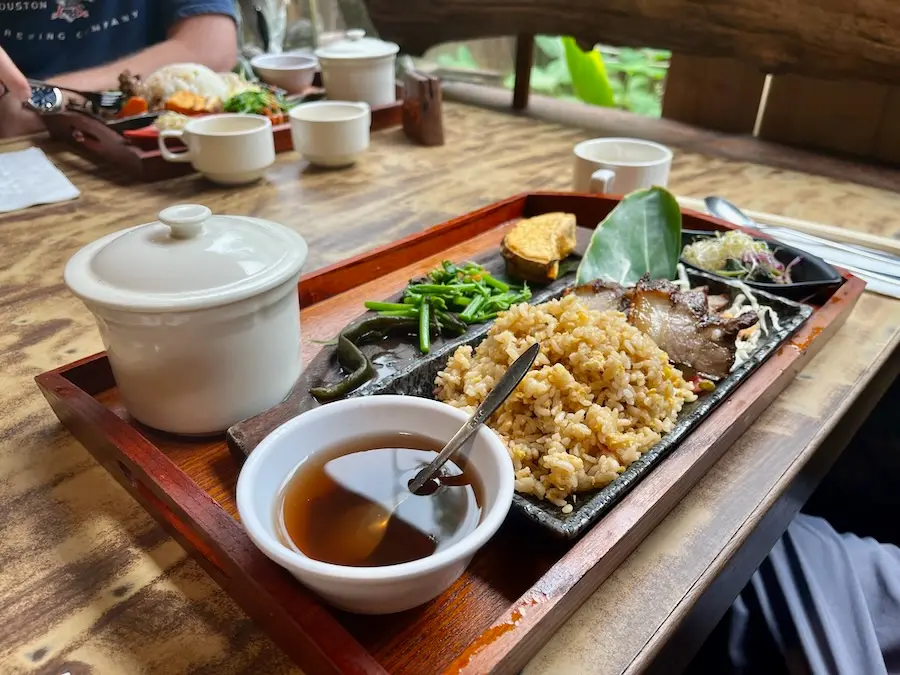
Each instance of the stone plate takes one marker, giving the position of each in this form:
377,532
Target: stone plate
403,370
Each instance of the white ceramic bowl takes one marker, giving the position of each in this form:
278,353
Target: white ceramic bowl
331,133
370,590
291,72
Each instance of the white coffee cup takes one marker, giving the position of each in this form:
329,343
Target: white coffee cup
230,149
331,133
620,165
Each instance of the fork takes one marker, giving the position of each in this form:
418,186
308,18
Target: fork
105,99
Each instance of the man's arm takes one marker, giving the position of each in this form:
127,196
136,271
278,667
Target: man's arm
208,39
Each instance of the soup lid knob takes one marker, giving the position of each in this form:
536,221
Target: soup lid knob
185,220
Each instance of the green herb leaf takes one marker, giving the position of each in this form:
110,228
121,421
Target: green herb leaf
642,234
589,80
551,45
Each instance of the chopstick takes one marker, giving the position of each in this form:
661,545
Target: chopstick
829,232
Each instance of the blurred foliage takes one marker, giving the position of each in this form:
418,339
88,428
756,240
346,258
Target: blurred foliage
641,74
631,79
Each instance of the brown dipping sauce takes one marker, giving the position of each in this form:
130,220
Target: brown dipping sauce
332,492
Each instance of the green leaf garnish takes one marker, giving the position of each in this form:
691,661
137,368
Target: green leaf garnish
641,235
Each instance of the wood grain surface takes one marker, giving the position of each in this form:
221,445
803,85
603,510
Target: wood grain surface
91,584
856,39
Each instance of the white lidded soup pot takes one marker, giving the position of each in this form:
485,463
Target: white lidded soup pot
199,314
359,69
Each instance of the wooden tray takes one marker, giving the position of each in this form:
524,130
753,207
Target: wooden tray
93,139
520,588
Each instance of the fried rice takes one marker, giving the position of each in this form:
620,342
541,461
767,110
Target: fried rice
600,394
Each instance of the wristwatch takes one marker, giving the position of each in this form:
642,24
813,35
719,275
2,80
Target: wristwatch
45,99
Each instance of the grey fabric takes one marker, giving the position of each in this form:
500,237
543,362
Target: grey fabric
829,602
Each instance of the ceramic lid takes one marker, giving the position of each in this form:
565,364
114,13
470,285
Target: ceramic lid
189,259
356,46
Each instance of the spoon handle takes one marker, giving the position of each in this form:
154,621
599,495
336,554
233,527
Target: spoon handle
501,391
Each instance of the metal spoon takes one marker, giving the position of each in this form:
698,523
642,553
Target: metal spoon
370,521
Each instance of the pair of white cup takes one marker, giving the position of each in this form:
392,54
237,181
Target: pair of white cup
233,149
620,165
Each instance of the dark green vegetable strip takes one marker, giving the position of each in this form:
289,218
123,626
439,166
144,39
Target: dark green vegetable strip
443,288
377,327
450,323
425,327
469,312
385,306
495,283
351,358
410,311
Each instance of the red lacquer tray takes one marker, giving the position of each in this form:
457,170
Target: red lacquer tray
520,587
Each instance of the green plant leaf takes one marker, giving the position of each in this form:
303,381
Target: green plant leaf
656,72
629,56
551,45
447,60
637,83
644,103
589,80
641,235
658,54
464,55
543,82
559,70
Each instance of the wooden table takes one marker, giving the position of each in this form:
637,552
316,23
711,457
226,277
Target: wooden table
90,583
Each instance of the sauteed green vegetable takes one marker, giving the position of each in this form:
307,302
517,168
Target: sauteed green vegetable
469,289
445,301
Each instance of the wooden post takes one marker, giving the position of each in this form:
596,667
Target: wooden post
713,93
423,120
524,59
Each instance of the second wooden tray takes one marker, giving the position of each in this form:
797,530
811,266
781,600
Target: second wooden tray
94,140
520,588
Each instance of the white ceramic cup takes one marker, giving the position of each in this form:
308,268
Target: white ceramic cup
370,590
620,165
231,149
331,133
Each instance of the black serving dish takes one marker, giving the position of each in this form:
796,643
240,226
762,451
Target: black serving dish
811,274
401,369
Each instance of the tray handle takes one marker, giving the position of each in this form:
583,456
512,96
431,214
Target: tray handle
156,505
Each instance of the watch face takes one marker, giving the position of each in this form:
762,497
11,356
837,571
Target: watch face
45,99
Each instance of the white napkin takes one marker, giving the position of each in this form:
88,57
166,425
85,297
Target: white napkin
27,178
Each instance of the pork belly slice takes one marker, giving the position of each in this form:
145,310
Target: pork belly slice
681,324
602,296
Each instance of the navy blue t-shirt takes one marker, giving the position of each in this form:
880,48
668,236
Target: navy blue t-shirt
51,37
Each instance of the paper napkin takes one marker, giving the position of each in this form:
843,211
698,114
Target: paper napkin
27,178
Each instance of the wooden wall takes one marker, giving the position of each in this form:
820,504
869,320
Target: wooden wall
860,119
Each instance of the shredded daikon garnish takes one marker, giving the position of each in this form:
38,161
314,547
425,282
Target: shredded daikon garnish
714,253
681,279
748,341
